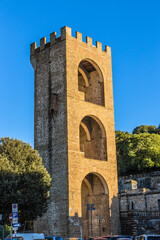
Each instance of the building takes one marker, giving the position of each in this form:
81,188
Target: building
140,203
75,136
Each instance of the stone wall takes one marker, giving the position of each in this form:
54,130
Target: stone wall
140,208
149,180
50,132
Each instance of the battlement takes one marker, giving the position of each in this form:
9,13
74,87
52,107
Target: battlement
65,32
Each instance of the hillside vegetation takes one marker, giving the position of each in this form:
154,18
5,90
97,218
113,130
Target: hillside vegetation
138,151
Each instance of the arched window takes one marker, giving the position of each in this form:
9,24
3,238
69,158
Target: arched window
93,138
90,82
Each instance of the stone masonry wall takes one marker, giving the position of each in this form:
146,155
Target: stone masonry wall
79,166
140,208
149,180
50,132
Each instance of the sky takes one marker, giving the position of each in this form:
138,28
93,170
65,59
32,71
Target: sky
130,28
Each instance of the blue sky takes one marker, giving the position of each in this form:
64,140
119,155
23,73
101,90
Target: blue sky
131,28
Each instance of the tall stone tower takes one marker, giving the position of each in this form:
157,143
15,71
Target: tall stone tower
75,136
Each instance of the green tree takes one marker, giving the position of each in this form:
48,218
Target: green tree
158,130
23,180
144,129
137,152
7,231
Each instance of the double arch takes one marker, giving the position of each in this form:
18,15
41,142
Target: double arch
91,81
93,138
101,178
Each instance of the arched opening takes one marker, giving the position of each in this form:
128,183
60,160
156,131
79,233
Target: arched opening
90,82
94,191
93,138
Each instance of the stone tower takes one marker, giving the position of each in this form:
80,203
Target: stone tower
75,136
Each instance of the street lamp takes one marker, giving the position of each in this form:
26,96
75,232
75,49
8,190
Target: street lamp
90,207
100,219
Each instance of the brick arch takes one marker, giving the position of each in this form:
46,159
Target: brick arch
84,75
96,67
100,198
86,131
105,185
91,81
100,124
93,138
103,181
88,186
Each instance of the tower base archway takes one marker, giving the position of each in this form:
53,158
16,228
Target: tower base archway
94,191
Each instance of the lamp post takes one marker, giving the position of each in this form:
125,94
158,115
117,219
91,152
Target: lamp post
100,219
90,207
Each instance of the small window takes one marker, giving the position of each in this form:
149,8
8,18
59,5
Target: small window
131,206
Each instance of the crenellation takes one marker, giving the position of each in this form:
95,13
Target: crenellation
107,49
42,43
53,38
99,45
33,47
79,36
65,32
89,41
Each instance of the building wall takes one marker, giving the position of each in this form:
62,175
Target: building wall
50,132
142,200
140,208
79,166
149,180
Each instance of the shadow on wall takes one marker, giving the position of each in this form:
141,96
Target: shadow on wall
115,217
101,220
75,226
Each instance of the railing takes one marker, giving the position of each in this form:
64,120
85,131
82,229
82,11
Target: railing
150,214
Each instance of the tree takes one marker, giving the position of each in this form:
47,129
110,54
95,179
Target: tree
158,130
144,129
137,152
23,180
